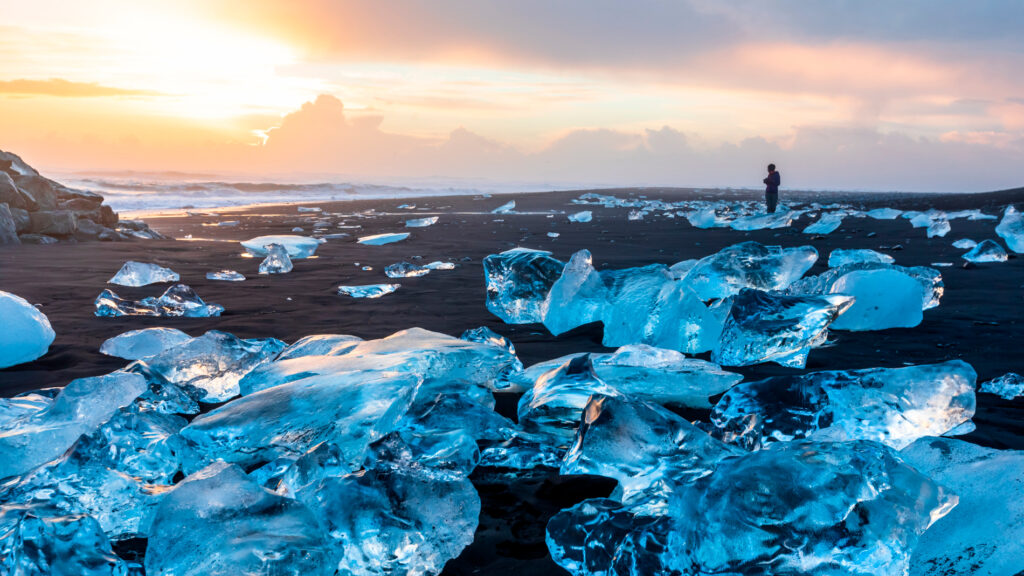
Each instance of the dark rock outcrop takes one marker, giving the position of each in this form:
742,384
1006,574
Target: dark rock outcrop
8,227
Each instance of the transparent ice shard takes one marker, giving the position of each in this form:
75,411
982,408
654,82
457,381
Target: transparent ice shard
178,300
554,405
584,216
1011,229
839,257
381,239
749,265
506,208
827,224
319,345
929,278
38,541
220,522
883,298
578,297
663,376
1008,386
965,243
884,213
438,265
368,290
518,282
298,247
421,222
136,344
277,260
25,332
764,327
986,251
894,406
938,228
781,219
225,276
142,274
405,270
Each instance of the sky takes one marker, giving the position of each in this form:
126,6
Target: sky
917,95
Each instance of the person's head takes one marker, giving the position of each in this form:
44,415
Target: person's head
771,168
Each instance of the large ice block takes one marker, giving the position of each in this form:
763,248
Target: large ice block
136,344
142,274
37,541
220,522
25,332
554,405
277,260
319,345
839,257
884,213
518,282
894,406
749,265
578,297
663,376
929,278
986,251
298,247
770,327
883,298
1011,229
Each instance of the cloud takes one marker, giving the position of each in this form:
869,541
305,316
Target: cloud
66,89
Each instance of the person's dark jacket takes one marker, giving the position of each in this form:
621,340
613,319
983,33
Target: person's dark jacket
772,183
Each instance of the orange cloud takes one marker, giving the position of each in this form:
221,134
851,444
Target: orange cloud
66,89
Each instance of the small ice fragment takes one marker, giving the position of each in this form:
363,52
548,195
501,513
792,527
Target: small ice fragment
277,260
827,224
965,244
938,228
381,239
986,251
178,300
1011,229
366,268
1008,386
635,215
297,246
406,206
405,270
438,265
506,208
421,222
942,264
137,344
225,275
25,332
584,216
553,234
839,257
368,290
142,273
313,209
298,229
884,213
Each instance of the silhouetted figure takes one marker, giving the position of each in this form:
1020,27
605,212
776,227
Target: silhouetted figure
771,190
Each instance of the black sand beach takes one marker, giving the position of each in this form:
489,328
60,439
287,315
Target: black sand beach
979,320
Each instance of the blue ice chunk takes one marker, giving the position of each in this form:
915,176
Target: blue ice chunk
485,335
220,522
938,228
894,406
178,300
25,332
36,437
840,257
769,327
506,208
749,265
298,247
930,280
803,507
226,276
1011,229
883,298
1008,386
706,217
439,265
136,344
381,239
524,451
368,290
827,224
554,405
578,297
319,345
663,376
984,534
38,541
518,282
277,260
421,222
986,251
965,243
783,218
134,273
884,213
584,216
405,270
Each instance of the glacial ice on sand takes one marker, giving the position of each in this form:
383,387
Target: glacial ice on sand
178,300
749,265
884,213
277,260
663,376
771,327
929,279
938,228
965,243
506,208
984,534
381,239
578,296
421,222
827,224
142,274
405,270
584,216
1008,386
783,218
439,265
518,281
25,332
38,541
883,298
553,405
986,251
319,345
225,276
136,344
298,247
1011,229
839,257
894,406
368,290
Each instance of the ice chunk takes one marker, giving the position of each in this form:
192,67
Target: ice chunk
578,297
37,541
518,282
827,224
137,344
405,270
506,208
297,246
141,274
225,276
320,345
584,216
277,260
763,327
213,362
1011,229
839,257
663,376
929,278
804,508
781,219
894,406
368,290
524,451
421,222
381,239
178,300
636,215
884,213
553,234
349,409
964,243
25,332
986,251
555,403
984,534
706,218
396,521
485,335
438,265
938,228
37,437
883,299
749,265
1008,386
220,522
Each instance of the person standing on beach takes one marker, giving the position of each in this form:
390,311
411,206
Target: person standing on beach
771,191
